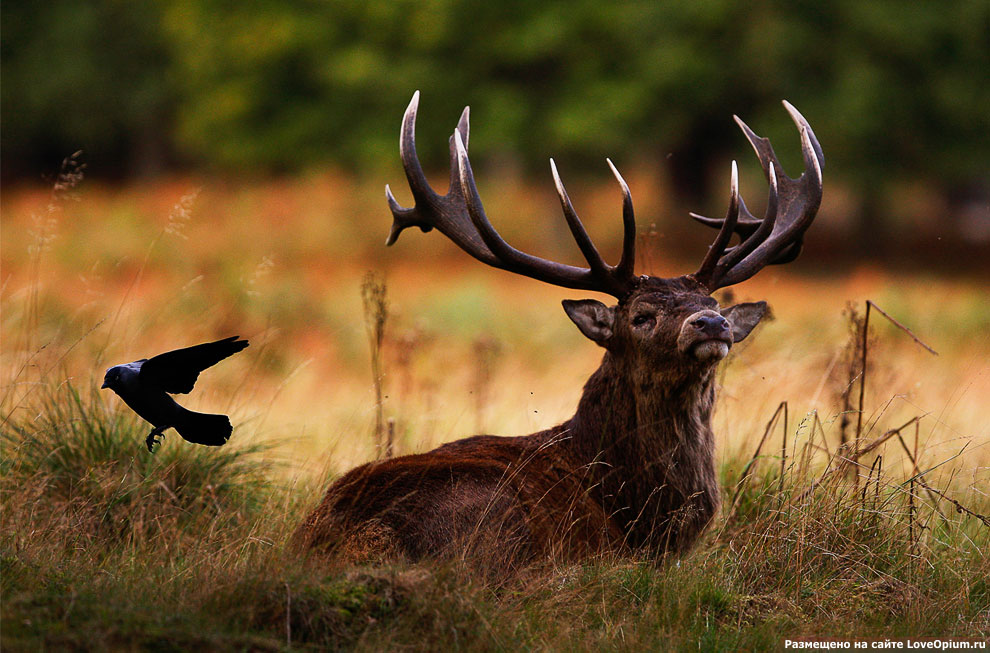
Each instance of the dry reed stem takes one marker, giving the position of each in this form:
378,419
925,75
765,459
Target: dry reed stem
783,454
649,241
864,346
862,390
932,491
900,326
486,350
375,302
390,442
744,476
851,354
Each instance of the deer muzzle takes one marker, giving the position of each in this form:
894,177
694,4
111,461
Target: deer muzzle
706,336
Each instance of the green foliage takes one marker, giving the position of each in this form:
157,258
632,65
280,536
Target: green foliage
893,90
92,76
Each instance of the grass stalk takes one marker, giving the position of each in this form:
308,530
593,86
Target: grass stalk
375,301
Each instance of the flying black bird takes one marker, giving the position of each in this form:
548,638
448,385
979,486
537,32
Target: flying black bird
145,385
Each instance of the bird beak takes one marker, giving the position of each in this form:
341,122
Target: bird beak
104,386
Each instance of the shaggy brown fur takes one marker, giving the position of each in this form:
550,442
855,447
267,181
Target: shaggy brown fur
632,470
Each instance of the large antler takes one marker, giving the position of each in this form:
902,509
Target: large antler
459,215
791,206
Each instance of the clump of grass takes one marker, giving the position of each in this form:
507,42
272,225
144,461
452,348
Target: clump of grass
828,549
788,562
104,543
68,455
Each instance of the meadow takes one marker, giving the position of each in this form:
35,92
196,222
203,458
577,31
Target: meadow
105,547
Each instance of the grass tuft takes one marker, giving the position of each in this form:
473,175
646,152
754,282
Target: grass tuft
69,456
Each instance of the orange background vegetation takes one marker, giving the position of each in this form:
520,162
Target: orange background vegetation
104,275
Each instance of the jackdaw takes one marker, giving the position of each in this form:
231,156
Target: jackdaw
144,386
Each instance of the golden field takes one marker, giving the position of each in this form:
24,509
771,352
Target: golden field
94,276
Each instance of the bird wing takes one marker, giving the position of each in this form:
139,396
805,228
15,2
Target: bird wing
177,371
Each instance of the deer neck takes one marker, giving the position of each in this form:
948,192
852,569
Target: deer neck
648,441
621,411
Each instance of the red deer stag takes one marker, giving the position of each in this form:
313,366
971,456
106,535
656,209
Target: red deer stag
634,469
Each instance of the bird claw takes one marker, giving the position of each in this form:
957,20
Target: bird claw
152,440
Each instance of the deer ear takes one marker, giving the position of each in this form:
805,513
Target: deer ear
594,318
744,317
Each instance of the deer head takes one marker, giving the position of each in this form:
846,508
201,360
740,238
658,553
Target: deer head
658,323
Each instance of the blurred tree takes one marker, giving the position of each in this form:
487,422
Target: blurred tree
93,76
902,91
897,92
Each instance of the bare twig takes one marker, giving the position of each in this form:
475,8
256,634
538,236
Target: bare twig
917,477
959,507
862,388
870,304
744,476
869,475
900,326
911,533
846,462
851,358
888,434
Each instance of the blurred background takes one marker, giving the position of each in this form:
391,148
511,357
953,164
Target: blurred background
177,170
897,93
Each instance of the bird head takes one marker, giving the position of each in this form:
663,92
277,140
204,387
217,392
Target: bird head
111,378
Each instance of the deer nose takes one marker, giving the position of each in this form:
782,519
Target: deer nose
712,325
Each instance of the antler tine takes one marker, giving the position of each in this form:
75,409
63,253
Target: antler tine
587,247
460,216
791,207
802,123
464,129
420,187
432,209
764,229
717,248
522,263
799,200
407,152
624,270
745,225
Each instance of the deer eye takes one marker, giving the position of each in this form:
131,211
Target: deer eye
643,319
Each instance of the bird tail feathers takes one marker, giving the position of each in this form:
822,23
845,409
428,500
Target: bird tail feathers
202,428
